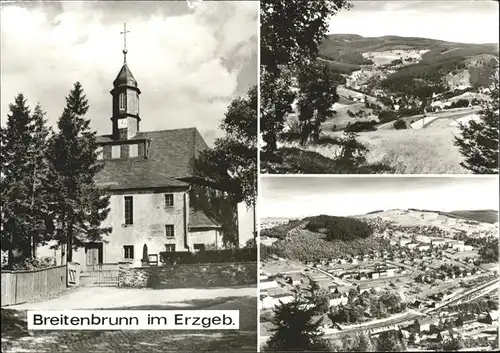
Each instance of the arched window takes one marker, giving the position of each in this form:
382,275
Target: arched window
121,101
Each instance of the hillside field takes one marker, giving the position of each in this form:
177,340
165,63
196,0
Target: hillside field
424,151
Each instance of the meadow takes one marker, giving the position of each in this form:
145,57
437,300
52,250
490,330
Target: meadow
410,151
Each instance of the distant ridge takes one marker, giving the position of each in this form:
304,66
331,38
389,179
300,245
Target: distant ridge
344,53
486,216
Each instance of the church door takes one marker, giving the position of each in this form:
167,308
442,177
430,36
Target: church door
93,256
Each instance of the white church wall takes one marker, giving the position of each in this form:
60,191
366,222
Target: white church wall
207,237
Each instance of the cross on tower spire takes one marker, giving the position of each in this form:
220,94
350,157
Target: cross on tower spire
125,42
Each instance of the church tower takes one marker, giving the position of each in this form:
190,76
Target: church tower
125,94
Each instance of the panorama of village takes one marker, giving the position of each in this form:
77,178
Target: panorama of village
432,283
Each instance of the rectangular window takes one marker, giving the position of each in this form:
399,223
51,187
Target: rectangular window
100,153
129,210
121,101
115,151
169,230
199,247
133,151
170,247
128,252
169,200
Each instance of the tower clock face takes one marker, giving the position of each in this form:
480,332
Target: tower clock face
122,123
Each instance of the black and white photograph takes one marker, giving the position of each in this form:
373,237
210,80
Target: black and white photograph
129,169
379,87
378,264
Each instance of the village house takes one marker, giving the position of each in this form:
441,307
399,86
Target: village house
294,279
336,299
438,242
424,247
377,331
269,302
267,284
149,176
488,317
411,245
263,277
403,241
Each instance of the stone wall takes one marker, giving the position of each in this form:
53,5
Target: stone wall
188,276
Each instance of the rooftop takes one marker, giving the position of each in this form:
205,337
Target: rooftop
171,157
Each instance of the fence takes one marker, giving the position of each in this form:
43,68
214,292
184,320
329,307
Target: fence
23,286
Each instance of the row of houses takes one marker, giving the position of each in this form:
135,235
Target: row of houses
343,260
433,332
457,245
432,275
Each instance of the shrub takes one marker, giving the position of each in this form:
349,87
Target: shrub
35,264
212,256
360,126
400,125
461,103
387,115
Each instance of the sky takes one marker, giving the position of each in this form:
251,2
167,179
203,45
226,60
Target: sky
189,61
297,196
463,21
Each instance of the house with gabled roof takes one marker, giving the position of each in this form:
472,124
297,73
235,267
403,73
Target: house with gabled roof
149,176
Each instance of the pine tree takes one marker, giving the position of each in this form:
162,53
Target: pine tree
296,326
40,215
24,181
318,94
478,142
79,206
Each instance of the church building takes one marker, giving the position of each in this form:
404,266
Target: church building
149,176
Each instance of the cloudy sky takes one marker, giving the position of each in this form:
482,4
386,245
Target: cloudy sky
346,196
189,62
464,21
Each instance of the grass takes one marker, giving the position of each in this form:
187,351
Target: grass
291,158
427,151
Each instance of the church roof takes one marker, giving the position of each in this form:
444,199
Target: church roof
125,78
198,219
171,156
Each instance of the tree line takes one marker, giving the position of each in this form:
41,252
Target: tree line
47,180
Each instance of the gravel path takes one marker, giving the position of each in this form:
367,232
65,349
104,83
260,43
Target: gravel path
112,297
143,341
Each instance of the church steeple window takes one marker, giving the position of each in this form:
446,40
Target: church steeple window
121,101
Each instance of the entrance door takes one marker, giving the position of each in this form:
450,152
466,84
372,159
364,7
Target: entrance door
93,254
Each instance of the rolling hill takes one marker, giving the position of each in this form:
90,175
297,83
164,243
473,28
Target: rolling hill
405,97
486,216
329,236
408,58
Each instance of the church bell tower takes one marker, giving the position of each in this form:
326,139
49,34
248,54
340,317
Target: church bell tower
125,94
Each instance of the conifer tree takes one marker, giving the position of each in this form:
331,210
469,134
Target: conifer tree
79,206
317,95
478,142
24,181
296,326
